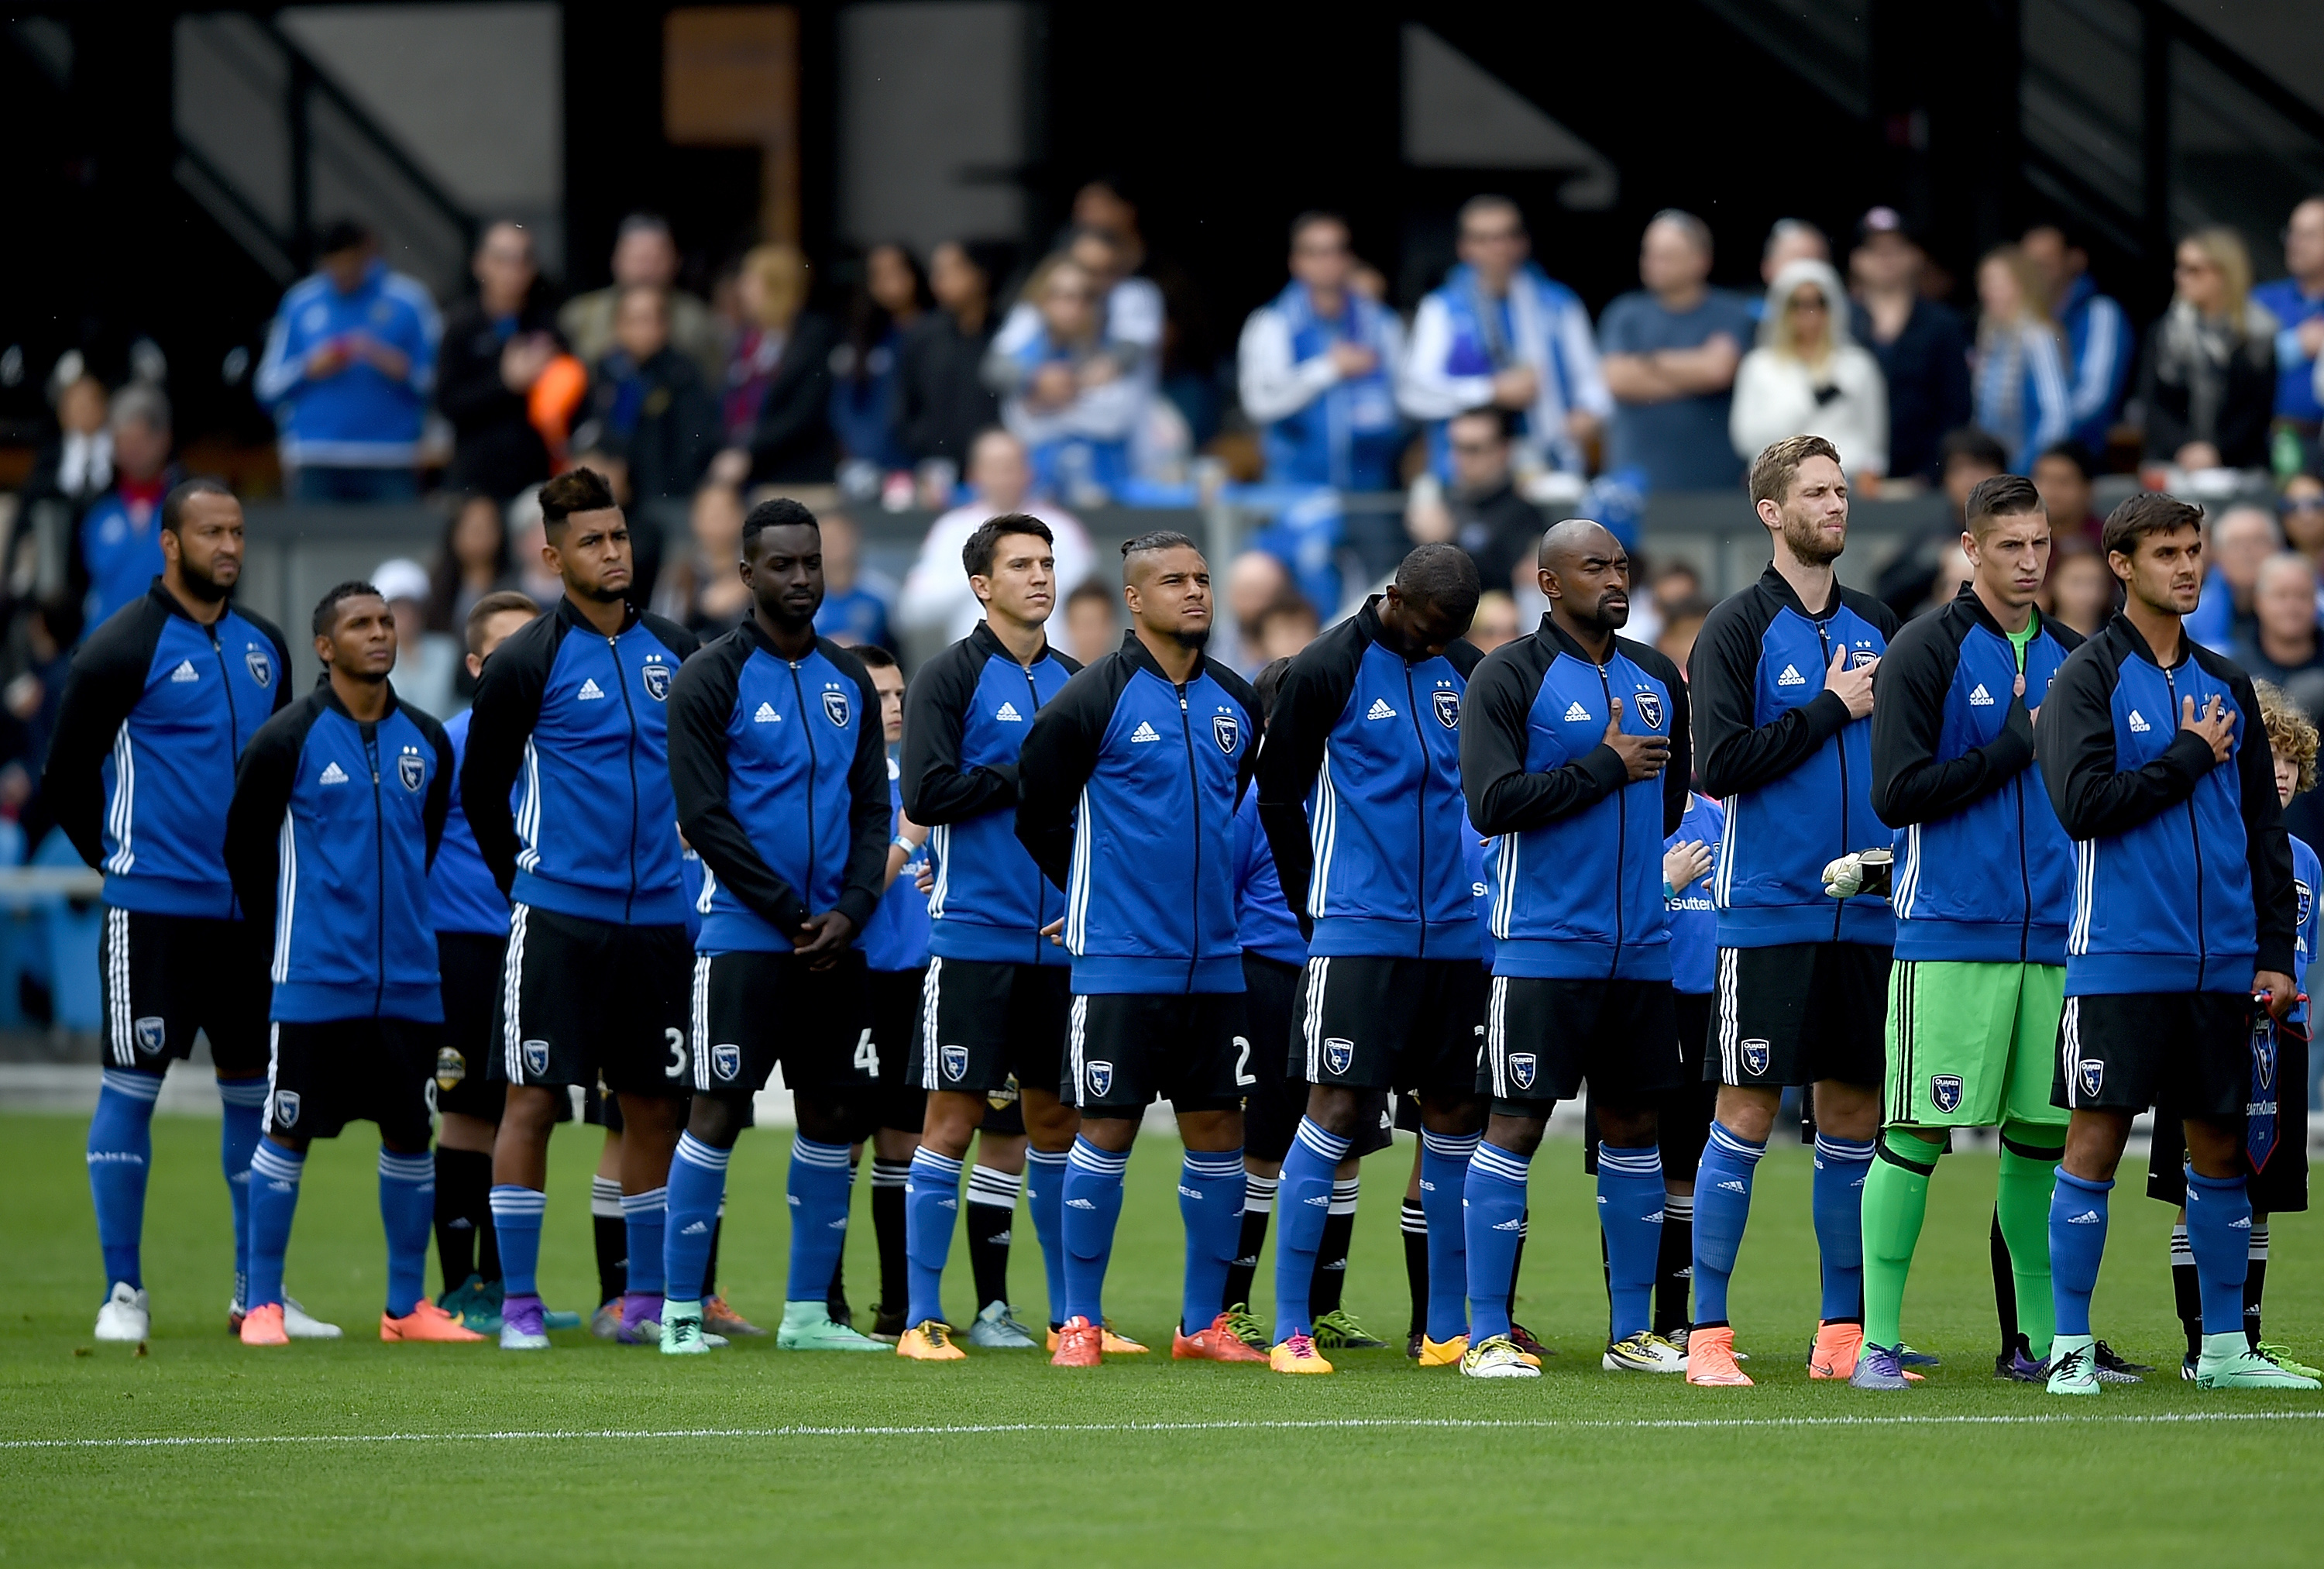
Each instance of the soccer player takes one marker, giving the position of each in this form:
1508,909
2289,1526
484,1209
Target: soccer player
338,806
1983,884
1783,695
2182,930
1126,794
996,998
1567,746
595,985
1683,1117
2275,1139
161,701
778,765
1359,793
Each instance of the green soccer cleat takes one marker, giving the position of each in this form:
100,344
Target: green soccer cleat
2073,1365
682,1329
1338,1331
1246,1327
809,1326
2284,1359
2228,1362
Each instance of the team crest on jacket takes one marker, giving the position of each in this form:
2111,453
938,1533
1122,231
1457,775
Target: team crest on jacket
834,707
1338,1053
151,1033
286,1108
1226,730
1650,708
1447,706
411,771
1521,1069
261,668
955,1062
2307,900
656,676
726,1060
1754,1058
536,1058
2093,1074
1100,1076
1945,1092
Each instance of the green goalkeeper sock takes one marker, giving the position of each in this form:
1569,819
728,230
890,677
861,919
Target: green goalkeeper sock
1895,1201
2028,1172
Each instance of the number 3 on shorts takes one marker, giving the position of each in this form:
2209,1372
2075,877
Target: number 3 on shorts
867,1056
676,1041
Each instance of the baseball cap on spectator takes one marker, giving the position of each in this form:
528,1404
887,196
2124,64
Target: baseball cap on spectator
401,578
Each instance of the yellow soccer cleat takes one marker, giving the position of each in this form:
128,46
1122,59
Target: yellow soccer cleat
1297,1356
929,1341
1442,1354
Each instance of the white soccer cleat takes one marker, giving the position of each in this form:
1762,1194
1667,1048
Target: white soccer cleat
1643,1352
300,1324
126,1316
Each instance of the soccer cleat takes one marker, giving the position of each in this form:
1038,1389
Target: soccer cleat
300,1324
2187,1368
1836,1346
1117,1344
2107,1374
522,1328
2228,1362
1295,1356
1497,1357
2073,1368
996,1329
127,1315
1338,1331
2112,1362
640,1322
263,1325
1412,1344
2284,1359
1907,1357
606,1322
682,1329
887,1326
1217,1341
426,1321
1247,1328
556,1318
1643,1352
2017,1366
1710,1359
1878,1367
1526,1340
718,1318
809,1326
1079,1343
474,1305
1444,1353
929,1341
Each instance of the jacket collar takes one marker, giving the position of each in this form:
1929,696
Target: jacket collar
1968,604
331,701
1563,641
170,603
986,641
1142,657
1775,584
756,636
2122,627
570,614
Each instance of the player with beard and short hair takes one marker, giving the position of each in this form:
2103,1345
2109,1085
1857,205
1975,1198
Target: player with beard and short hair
161,701
1126,794
575,706
1782,699
779,767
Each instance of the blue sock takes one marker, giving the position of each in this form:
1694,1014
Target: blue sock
931,1211
697,1187
407,1209
1045,1195
2078,1233
1444,1189
1630,1212
1303,1200
1496,1204
1210,1204
819,1183
1092,1207
244,1104
274,1199
517,1214
2218,1232
120,1156
644,1217
1838,1200
1722,1206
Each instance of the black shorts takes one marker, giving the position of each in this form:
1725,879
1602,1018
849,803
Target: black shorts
2279,1187
470,1078
1369,1023
982,1023
1545,1038
1799,1012
2191,1050
1683,1114
1272,1109
164,977
596,1002
1124,1049
895,1003
752,1010
323,1076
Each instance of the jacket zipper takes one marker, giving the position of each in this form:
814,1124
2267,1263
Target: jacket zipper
2194,838
1040,883
1823,637
233,750
1621,835
629,905
2025,877
379,879
1195,789
798,693
1412,703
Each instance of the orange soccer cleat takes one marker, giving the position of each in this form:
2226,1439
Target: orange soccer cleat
1080,1344
1217,1342
426,1321
929,1341
263,1325
1837,1347
1710,1359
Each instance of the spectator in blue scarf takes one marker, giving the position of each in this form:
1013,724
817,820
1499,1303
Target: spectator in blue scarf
1317,368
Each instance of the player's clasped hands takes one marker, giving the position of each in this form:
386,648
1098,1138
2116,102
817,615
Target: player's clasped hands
1646,756
1852,684
2216,725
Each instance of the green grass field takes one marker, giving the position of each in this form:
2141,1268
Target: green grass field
202,1451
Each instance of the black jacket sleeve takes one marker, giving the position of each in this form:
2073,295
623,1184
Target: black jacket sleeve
273,634
438,808
1677,779
701,701
1908,715
2275,900
262,796
2075,745
106,678
1314,694
1060,753
1503,798
867,786
936,788
507,706
1736,756
1253,724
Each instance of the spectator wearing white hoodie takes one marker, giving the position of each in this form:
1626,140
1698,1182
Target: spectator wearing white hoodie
1808,377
